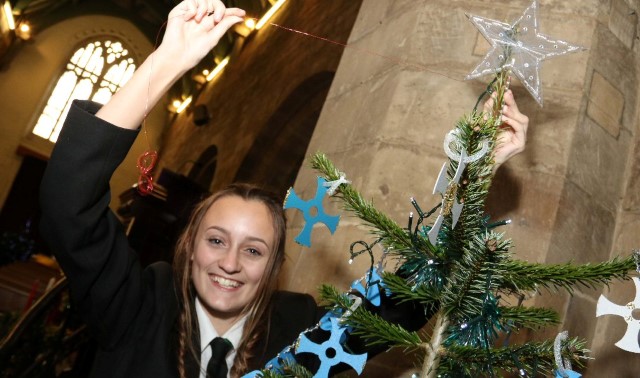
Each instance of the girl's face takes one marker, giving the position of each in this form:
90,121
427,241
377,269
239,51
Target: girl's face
233,245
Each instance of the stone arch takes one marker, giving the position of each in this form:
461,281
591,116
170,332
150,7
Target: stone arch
279,149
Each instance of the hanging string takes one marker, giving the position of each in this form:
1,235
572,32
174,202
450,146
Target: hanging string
148,160
393,59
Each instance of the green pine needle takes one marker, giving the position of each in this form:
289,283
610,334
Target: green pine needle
534,357
377,331
390,232
406,293
525,276
526,317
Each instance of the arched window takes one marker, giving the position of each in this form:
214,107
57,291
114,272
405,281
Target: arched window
94,72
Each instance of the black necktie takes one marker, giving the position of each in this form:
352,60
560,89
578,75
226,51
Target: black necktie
217,367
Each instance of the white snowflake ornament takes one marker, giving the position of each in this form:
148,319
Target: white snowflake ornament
630,341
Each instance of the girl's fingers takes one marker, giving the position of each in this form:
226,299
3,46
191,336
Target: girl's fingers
204,9
227,22
218,9
237,12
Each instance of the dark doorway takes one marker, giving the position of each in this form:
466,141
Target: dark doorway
280,148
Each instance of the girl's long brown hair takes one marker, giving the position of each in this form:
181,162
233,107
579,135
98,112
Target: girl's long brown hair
257,308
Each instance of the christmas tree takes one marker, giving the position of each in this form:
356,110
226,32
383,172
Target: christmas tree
453,259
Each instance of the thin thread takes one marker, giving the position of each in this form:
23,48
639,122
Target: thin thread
393,59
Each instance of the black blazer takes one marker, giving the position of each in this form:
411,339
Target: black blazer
130,311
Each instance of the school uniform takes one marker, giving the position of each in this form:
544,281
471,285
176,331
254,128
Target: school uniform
130,311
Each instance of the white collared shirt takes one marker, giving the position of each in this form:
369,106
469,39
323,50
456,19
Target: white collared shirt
208,333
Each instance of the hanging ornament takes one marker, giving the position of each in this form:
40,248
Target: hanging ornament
629,341
146,162
283,358
331,351
449,191
453,137
518,47
313,212
371,289
333,185
564,365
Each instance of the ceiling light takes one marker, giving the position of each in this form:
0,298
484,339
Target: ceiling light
269,13
218,69
8,14
184,104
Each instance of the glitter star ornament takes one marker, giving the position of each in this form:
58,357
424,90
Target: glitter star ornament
518,47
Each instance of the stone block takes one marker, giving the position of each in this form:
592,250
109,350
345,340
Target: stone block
631,201
482,46
605,104
551,131
623,22
583,229
612,59
580,320
627,238
530,200
597,164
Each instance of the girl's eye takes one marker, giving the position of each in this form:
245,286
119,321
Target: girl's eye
254,252
215,241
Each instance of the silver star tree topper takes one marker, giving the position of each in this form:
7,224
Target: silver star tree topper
518,47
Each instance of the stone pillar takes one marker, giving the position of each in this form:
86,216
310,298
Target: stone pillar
399,89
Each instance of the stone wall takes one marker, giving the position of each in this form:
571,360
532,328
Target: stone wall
571,194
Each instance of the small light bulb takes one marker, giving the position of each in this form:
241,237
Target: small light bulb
250,23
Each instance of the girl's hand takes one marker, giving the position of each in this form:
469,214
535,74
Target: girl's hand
194,28
513,131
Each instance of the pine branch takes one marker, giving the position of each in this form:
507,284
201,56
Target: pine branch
330,296
290,371
405,293
478,272
391,233
534,357
377,331
523,276
527,317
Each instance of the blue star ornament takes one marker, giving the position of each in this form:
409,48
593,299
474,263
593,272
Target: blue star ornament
313,212
518,47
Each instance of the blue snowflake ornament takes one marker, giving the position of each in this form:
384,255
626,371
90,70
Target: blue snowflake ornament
372,291
568,374
325,321
276,363
331,351
313,212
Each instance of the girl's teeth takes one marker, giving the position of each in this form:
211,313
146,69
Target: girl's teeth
225,282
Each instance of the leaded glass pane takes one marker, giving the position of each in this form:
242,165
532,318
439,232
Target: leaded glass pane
102,61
